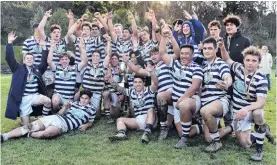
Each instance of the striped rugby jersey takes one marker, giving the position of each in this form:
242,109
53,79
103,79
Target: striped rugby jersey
77,115
141,102
182,78
65,80
213,73
257,88
93,78
31,86
120,47
145,49
31,46
164,74
92,44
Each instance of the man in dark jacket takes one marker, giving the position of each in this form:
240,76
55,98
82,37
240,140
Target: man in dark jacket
234,41
27,87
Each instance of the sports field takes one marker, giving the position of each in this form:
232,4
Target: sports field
93,147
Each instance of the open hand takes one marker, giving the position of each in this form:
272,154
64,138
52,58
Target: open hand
69,14
11,37
48,13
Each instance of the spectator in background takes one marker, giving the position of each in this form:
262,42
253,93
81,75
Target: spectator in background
234,41
266,64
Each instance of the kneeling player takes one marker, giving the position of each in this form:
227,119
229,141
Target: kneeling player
142,99
73,115
249,98
217,79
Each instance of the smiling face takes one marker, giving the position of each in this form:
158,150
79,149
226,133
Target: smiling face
251,63
64,61
118,31
209,51
84,99
28,60
231,28
186,29
186,56
138,84
144,36
114,61
95,58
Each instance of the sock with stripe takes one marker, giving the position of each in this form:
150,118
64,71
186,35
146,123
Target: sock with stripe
215,135
185,128
259,135
148,128
45,111
107,113
122,131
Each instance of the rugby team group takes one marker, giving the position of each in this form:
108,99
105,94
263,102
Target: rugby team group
171,76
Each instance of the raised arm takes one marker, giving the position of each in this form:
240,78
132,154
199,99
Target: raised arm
224,54
154,79
110,25
43,64
98,16
13,64
50,62
43,22
162,50
83,56
133,25
176,48
70,17
72,29
108,50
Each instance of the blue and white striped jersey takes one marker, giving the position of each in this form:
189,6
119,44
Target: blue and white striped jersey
256,83
214,72
77,115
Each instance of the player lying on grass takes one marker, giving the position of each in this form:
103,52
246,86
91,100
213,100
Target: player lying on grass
79,114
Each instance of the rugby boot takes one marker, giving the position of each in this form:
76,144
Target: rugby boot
258,155
182,143
119,136
145,137
214,146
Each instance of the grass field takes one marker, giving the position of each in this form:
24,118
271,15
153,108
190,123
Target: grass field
93,147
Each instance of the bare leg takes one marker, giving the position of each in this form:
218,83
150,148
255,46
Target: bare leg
49,132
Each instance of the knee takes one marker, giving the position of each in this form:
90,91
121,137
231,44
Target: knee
205,114
47,101
244,143
184,107
258,117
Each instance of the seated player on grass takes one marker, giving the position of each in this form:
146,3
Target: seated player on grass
249,98
79,114
142,99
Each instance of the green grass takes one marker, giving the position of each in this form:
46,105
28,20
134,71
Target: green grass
17,53
93,146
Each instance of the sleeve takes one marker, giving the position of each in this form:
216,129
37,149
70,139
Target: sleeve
224,70
261,88
235,66
92,114
150,91
198,73
13,64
